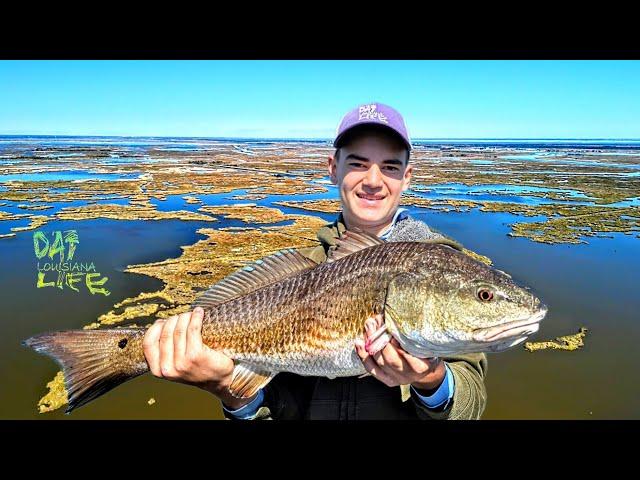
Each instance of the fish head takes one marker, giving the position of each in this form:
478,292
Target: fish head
493,313
460,305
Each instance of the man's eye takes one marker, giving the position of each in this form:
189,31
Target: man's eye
355,164
392,168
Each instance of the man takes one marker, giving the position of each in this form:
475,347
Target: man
371,169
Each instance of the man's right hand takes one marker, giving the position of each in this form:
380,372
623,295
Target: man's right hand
174,350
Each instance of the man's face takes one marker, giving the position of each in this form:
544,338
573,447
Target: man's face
371,174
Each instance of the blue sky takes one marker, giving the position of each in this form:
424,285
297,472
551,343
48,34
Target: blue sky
306,99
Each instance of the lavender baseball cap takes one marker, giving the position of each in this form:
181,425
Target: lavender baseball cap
373,114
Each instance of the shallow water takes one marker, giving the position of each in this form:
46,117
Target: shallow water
496,192
583,160
65,175
12,206
592,285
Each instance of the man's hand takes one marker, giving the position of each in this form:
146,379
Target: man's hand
393,366
174,350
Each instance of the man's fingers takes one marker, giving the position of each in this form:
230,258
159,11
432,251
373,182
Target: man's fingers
376,334
379,372
166,347
372,367
370,326
373,323
180,337
194,331
151,346
418,365
378,341
360,350
390,358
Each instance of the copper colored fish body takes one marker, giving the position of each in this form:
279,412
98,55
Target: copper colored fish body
307,323
286,313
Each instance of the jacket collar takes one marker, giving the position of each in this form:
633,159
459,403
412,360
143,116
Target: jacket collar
328,234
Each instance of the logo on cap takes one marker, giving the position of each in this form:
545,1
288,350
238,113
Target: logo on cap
369,112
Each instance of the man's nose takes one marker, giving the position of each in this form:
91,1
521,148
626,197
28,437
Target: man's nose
373,179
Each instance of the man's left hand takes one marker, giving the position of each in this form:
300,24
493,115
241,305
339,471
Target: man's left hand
393,366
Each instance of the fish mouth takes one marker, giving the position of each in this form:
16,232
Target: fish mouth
516,328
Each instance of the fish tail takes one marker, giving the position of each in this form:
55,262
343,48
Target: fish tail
93,361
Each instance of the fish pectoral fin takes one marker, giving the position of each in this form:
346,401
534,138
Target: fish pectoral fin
405,392
248,379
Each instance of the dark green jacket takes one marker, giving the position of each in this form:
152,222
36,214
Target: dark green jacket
290,396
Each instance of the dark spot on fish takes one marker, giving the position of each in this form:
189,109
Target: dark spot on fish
122,343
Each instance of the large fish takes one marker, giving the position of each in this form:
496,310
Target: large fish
285,313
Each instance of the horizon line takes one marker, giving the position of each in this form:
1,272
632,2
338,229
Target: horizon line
328,139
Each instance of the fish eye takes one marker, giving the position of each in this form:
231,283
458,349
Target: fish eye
485,295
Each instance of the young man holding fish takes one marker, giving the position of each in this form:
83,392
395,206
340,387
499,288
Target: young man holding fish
371,169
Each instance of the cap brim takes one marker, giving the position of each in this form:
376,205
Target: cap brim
336,142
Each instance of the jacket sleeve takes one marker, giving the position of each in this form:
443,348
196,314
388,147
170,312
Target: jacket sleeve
470,394
317,254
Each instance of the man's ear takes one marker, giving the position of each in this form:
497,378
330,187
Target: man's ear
332,166
407,177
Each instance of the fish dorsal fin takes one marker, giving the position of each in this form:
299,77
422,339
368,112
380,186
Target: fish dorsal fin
350,242
248,379
255,275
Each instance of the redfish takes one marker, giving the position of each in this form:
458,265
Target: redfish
286,313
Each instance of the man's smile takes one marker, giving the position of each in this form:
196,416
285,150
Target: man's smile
368,197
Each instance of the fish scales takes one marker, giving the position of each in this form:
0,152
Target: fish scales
314,315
